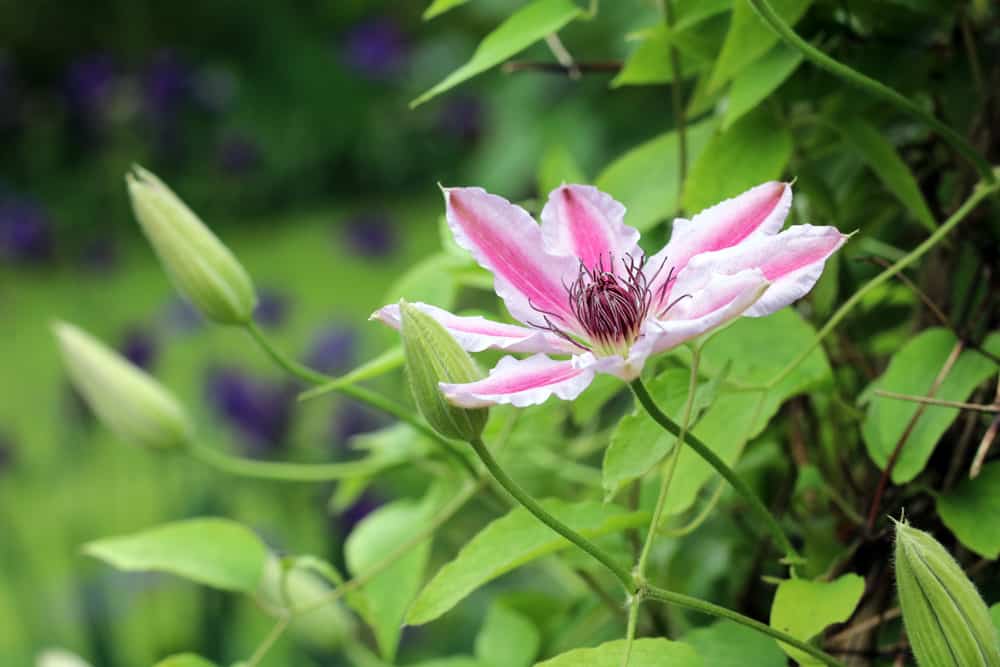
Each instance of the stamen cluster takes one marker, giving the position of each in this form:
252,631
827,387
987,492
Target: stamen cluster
610,307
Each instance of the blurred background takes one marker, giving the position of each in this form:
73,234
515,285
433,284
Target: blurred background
287,127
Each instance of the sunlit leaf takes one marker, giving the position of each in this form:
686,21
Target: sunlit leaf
650,62
522,29
727,644
759,80
215,552
645,653
508,543
804,608
963,509
439,7
691,12
507,638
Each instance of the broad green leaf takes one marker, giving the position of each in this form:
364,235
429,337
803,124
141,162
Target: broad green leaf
522,29
214,552
439,7
727,644
759,80
510,542
387,595
185,660
804,608
645,179
558,166
912,371
882,157
690,12
995,614
755,149
650,62
750,37
430,281
964,508
508,638
645,653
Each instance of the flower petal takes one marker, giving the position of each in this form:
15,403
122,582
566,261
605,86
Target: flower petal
505,240
792,261
760,211
477,333
583,222
522,382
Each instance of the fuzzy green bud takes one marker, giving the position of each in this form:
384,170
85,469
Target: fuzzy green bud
947,622
124,398
432,357
198,263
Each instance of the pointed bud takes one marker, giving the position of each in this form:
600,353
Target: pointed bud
126,399
432,357
947,621
200,266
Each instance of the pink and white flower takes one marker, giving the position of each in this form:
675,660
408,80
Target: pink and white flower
584,289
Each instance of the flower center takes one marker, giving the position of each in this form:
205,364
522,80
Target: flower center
611,308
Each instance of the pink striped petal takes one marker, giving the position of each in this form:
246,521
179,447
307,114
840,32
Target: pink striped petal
521,383
760,211
792,261
583,222
476,333
504,239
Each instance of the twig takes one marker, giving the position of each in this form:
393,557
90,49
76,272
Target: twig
987,442
927,400
863,626
606,66
562,54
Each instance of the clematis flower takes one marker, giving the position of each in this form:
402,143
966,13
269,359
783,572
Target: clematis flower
583,288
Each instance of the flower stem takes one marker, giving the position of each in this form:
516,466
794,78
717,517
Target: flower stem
642,394
876,88
667,475
530,504
681,600
288,472
633,617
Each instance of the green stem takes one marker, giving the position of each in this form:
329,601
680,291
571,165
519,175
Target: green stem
669,597
269,641
875,88
633,617
360,394
668,474
530,504
720,466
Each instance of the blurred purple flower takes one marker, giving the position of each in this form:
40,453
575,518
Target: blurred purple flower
272,308
25,231
333,350
352,418
238,155
182,317
462,117
139,346
259,411
165,89
371,234
376,48
89,87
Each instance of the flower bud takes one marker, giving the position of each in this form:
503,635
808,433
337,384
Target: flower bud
947,621
432,357
200,266
126,399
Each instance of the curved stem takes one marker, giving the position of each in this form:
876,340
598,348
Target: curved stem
710,457
669,597
667,475
543,515
876,88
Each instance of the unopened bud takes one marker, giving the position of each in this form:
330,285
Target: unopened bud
947,621
432,357
125,398
198,263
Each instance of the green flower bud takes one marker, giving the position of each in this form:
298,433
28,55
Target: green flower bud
126,399
946,620
200,266
432,357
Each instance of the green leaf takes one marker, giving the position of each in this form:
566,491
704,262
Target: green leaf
690,12
749,37
439,7
804,608
995,615
522,29
185,660
873,147
454,661
558,166
510,542
644,178
727,644
214,552
429,281
963,509
650,62
645,653
508,638
912,371
755,149
388,594
759,80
